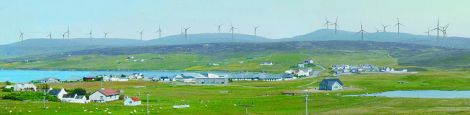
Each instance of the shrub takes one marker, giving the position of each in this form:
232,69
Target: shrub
33,96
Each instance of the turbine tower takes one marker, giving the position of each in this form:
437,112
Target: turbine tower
232,29
68,32
186,32
63,35
444,31
141,34
327,23
398,24
105,35
385,28
219,27
336,24
362,32
21,36
90,33
437,29
256,29
49,35
428,32
159,31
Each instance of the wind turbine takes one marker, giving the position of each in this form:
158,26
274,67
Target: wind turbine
336,24
63,35
398,24
219,27
437,29
141,34
49,35
256,29
90,33
428,32
385,27
68,32
232,29
159,31
362,32
327,23
186,32
21,36
444,31
105,35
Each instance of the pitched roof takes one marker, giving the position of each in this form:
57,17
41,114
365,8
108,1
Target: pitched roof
135,99
108,92
54,92
330,82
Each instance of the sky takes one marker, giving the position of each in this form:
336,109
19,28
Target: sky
275,18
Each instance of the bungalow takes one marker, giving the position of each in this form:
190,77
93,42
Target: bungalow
266,63
89,78
210,79
136,76
104,95
114,78
331,84
303,72
48,80
131,101
188,77
24,87
59,93
74,98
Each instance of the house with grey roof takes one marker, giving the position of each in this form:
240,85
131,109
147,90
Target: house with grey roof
331,84
48,80
59,93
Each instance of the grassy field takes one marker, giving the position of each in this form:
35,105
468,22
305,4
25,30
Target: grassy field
267,98
197,62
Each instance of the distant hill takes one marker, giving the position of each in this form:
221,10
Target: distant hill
48,46
45,46
207,38
329,34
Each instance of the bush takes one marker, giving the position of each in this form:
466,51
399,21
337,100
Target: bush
33,96
78,91
7,89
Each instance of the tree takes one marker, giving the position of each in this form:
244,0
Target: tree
7,82
78,91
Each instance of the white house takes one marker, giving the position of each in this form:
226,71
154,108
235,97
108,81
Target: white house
24,87
58,93
266,63
303,72
136,76
74,98
104,95
49,80
114,78
132,101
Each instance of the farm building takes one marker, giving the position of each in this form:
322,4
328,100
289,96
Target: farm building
48,80
24,87
132,101
74,98
104,95
331,84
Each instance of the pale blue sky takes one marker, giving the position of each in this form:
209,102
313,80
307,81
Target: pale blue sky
276,18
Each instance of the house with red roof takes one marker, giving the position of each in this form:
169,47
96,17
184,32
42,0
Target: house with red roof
132,101
104,95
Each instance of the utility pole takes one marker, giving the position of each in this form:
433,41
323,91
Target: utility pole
306,104
148,112
44,99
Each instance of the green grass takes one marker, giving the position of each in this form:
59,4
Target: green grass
267,97
197,62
